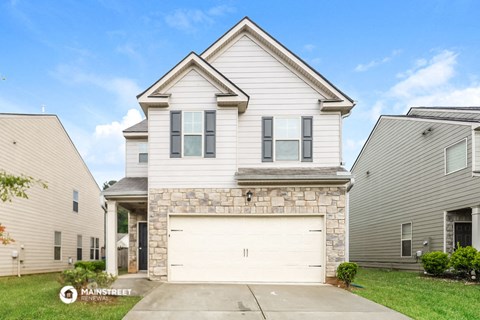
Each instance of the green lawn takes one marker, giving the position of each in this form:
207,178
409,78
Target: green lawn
418,296
36,297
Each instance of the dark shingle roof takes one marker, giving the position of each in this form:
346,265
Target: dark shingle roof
292,174
142,126
128,187
455,119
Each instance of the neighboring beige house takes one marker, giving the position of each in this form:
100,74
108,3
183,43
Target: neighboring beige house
54,226
417,187
236,174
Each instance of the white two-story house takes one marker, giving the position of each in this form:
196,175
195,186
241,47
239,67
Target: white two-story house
236,173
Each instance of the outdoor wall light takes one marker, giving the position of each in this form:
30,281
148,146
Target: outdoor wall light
249,195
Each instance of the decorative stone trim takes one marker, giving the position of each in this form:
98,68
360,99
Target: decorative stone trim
328,201
133,240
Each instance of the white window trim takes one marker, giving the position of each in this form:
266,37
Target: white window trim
299,139
202,132
94,248
55,245
401,240
445,156
77,201
139,152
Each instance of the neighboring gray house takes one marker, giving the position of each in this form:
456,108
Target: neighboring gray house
417,187
54,227
235,175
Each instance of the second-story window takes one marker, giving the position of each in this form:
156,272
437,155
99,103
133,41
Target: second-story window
142,152
75,201
192,134
287,139
456,157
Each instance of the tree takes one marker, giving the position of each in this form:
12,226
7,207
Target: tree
122,214
12,186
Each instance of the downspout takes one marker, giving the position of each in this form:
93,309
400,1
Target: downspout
347,220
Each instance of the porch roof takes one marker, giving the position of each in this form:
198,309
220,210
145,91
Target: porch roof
128,187
293,175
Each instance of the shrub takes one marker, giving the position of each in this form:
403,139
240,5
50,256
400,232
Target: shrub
83,278
476,266
435,262
91,265
462,260
346,272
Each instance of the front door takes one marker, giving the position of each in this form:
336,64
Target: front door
463,234
142,245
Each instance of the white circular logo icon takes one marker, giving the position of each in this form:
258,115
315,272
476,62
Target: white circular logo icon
68,294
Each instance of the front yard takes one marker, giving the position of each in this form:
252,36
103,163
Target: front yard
36,297
418,296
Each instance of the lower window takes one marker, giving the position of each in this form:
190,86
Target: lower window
57,247
94,248
406,239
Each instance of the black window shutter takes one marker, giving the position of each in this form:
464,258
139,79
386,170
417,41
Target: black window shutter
175,134
267,139
307,139
210,128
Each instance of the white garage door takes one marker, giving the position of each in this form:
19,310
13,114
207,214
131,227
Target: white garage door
246,249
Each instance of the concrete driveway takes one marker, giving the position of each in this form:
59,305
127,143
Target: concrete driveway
259,302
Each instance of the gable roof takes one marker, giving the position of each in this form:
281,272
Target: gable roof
451,120
336,101
156,96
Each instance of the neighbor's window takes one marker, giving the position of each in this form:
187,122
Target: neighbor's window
143,152
57,246
287,139
192,134
94,248
79,247
407,240
75,201
456,157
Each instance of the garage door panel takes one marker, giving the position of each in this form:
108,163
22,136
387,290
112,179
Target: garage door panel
246,249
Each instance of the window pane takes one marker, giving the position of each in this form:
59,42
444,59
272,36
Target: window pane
75,206
92,254
92,242
407,231
79,254
58,238
286,150
79,241
192,122
57,253
456,157
97,255
287,128
406,248
75,196
142,147
143,158
192,146
97,243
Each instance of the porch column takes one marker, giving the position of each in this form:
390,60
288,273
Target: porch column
476,227
111,240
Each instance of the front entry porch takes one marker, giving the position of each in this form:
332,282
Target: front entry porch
462,228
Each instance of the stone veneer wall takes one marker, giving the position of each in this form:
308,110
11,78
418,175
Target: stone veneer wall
133,218
329,201
464,215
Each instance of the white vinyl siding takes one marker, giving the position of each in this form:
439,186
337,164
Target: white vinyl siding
406,239
38,146
133,166
276,91
193,92
287,139
456,157
57,247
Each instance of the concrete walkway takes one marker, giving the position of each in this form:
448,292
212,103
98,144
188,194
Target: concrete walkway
259,302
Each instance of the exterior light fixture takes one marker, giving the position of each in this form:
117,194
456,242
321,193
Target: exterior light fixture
249,195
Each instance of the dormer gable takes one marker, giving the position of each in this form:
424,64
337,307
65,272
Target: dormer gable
158,94
335,101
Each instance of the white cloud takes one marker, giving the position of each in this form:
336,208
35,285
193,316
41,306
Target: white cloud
188,20
309,47
428,83
374,63
124,89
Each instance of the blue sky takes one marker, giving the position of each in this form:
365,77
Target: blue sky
87,60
